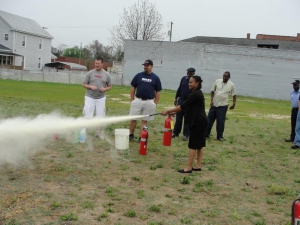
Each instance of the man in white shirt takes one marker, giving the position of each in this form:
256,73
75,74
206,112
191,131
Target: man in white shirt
219,94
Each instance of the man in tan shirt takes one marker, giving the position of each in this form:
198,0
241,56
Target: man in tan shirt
219,94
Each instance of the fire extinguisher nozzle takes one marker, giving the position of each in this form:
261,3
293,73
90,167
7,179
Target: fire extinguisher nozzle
154,114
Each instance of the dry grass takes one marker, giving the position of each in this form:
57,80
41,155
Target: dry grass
250,178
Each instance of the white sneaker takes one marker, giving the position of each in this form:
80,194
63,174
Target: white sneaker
185,138
97,134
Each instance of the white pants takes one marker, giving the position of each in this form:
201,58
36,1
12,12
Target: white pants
92,106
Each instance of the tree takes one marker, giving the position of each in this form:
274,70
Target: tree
99,50
118,53
96,48
86,53
107,53
76,52
141,21
61,49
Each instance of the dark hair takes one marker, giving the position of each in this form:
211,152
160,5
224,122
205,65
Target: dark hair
228,73
198,79
99,58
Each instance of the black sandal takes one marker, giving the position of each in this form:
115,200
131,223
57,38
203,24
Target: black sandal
182,171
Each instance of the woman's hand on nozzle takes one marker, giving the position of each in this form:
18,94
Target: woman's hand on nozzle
164,113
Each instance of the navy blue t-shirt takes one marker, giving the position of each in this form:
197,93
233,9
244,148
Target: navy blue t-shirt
146,85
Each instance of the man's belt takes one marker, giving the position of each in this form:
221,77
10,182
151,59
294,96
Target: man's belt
145,99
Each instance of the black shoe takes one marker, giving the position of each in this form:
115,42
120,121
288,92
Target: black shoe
182,171
196,169
131,137
289,140
295,147
174,136
220,139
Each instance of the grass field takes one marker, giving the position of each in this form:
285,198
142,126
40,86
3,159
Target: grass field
250,178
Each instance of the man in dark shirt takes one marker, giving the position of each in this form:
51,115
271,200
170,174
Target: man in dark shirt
182,94
294,112
144,96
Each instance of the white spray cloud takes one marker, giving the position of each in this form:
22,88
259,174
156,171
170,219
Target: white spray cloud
20,136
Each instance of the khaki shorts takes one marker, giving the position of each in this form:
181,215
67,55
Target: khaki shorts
140,107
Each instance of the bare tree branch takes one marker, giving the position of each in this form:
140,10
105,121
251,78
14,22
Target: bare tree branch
141,21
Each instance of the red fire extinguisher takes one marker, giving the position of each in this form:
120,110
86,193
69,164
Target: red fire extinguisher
143,142
169,126
296,212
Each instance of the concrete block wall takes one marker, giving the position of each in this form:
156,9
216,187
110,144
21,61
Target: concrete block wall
64,76
256,72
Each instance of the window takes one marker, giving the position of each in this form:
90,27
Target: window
23,40
6,37
40,63
267,46
41,44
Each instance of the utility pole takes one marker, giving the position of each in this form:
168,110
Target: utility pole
80,52
171,31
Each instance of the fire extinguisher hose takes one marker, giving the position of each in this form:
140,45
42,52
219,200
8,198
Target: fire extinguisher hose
154,114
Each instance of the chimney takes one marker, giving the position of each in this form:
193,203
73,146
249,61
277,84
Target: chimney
248,35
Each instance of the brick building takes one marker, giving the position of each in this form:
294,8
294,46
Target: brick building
278,37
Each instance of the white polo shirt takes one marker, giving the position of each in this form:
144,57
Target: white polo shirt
222,91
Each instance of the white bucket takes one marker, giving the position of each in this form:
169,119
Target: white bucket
122,139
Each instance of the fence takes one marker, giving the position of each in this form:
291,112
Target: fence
52,76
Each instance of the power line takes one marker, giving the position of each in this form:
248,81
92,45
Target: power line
77,27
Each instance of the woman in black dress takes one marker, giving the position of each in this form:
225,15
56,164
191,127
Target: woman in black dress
195,117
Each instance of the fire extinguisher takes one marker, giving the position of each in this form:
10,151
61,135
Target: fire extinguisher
169,126
143,141
296,212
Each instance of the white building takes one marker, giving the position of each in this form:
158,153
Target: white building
256,72
27,38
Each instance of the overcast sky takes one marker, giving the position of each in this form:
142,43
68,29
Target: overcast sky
72,22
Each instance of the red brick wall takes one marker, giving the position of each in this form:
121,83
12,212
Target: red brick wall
278,37
88,63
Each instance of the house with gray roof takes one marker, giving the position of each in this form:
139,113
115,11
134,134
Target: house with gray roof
24,37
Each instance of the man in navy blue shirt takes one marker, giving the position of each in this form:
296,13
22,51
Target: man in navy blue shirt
182,94
144,96
294,100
